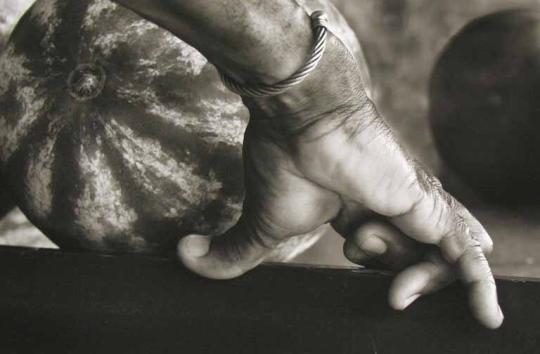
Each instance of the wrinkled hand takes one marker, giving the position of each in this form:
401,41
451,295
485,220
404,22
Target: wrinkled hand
321,153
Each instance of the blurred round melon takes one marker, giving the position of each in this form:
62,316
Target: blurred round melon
485,107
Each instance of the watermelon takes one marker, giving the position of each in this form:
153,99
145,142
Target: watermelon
10,12
484,109
115,135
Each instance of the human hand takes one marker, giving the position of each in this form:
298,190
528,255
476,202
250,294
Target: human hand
321,153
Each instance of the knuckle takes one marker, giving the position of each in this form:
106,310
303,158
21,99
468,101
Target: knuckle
475,254
461,227
457,241
474,266
418,197
488,246
476,229
429,182
430,203
419,194
485,242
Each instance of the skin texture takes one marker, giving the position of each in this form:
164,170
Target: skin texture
321,153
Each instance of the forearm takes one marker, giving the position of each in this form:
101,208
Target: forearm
252,40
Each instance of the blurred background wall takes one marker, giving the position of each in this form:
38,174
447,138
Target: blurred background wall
401,39
10,10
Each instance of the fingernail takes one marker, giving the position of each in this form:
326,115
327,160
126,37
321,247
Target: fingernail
195,246
501,315
410,300
373,245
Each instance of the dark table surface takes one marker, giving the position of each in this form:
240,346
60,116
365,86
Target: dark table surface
54,302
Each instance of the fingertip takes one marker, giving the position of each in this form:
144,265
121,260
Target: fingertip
371,238
394,296
408,301
203,255
373,245
364,247
493,322
403,291
500,320
477,229
488,244
400,302
485,305
193,246
191,250
416,281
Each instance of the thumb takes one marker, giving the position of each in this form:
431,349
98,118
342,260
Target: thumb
226,256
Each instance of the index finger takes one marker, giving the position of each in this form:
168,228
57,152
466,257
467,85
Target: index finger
437,218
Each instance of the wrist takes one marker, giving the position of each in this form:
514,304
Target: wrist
336,85
269,50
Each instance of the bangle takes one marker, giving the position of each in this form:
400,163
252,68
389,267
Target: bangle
319,22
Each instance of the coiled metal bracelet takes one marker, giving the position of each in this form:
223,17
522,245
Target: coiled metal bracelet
319,22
